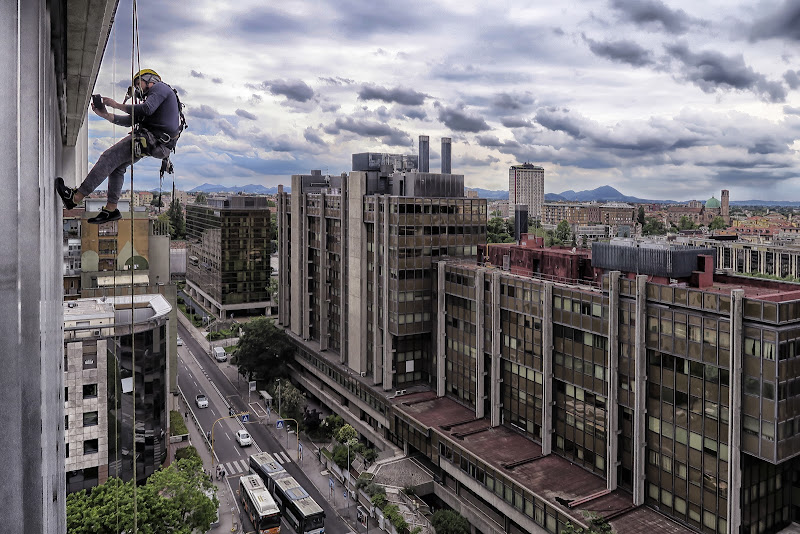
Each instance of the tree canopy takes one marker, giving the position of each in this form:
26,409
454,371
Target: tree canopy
640,216
653,226
717,223
263,350
172,501
685,223
201,198
177,223
449,522
499,231
562,233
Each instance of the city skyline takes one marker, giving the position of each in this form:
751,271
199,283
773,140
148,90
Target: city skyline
658,99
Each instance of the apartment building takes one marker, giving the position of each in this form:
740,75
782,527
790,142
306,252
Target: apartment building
104,389
228,250
526,186
655,393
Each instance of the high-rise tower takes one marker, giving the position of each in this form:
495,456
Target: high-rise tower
526,186
424,153
446,155
725,211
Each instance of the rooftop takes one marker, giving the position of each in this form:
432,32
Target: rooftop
551,478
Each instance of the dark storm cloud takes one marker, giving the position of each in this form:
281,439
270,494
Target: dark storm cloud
265,21
711,70
367,128
653,14
622,51
492,141
751,178
246,115
457,120
400,95
515,122
789,110
203,112
197,74
412,113
228,129
338,80
216,80
472,161
512,102
312,136
768,145
296,90
560,120
792,78
366,17
783,23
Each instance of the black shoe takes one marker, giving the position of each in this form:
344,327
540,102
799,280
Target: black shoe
105,216
67,195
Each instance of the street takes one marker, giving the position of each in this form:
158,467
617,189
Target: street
200,373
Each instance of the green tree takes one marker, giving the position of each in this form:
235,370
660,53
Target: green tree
157,201
292,400
272,289
187,453
685,223
597,525
201,198
563,233
653,226
496,231
449,522
640,216
263,350
346,433
172,501
717,223
177,224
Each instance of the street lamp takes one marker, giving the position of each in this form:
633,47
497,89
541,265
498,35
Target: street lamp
278,381
349,442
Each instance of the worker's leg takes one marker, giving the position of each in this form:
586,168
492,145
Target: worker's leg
113,161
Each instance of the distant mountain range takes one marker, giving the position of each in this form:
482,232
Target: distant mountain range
607,193
604,193
252,189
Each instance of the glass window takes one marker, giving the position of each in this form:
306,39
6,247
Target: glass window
90,419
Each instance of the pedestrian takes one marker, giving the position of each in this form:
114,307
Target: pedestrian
157,123
186,415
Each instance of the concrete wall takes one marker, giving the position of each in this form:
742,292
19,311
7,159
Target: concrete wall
43,109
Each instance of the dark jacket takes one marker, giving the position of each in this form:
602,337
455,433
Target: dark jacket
158,113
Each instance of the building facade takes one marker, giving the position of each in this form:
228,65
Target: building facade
355,258
659,395
228,251
526,186
108,387
50,56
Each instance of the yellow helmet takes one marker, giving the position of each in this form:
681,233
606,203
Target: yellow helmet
148,75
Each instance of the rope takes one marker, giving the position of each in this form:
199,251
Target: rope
134,51
116,354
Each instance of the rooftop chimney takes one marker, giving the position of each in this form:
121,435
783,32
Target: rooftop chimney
446,155
424,153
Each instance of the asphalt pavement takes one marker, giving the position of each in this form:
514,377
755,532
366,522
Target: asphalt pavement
341,512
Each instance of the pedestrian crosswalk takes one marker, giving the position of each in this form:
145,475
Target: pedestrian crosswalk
241,467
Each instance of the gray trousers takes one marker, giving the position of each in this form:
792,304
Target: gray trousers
112,164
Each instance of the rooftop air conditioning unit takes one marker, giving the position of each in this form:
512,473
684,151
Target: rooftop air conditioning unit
95,332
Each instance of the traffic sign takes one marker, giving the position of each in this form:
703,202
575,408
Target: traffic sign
279,424
345,494
245,417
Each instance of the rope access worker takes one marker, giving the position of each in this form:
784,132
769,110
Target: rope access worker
157,123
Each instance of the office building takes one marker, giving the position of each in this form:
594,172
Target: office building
228,249
636,383
50,57
526,186
355,257
72,253
106,389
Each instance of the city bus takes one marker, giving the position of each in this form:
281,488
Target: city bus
299,509
259,505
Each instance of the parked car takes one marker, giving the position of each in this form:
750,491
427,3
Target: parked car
243,437
201,401
219,354
180,342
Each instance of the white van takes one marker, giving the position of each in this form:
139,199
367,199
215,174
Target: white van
219,354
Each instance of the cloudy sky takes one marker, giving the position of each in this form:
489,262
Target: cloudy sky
661,99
